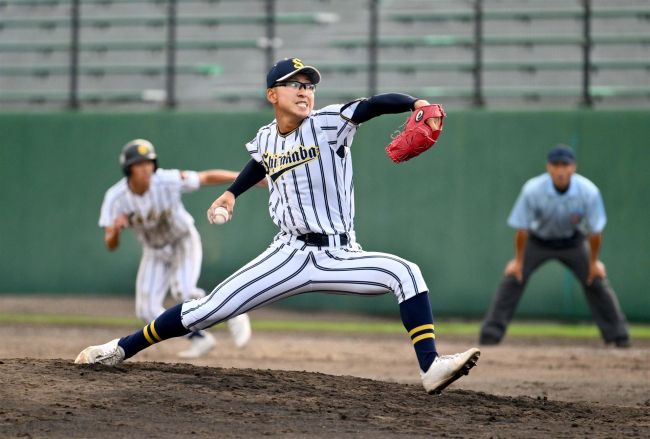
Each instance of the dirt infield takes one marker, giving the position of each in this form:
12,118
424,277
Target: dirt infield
310,385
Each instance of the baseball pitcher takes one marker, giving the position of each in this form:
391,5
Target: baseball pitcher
306,156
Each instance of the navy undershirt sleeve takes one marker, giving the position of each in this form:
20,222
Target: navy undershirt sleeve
386,103
252,173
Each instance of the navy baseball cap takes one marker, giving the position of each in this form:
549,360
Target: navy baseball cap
286,68
561,153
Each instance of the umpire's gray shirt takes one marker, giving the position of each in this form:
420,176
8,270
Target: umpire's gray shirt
548,214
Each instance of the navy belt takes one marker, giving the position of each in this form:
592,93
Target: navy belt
321,240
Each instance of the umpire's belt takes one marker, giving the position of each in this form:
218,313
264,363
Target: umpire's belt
322,240
558,243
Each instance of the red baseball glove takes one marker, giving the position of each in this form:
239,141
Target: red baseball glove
417,136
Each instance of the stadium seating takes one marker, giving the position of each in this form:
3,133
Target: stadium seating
532,52
113,69
520,14
200,20
498,40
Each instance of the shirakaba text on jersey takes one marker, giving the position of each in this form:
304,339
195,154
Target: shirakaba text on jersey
279,163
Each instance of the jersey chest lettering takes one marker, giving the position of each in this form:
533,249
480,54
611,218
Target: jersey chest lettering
279,163
154,209
152,218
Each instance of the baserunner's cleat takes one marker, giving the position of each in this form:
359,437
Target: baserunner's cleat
240,330
201,345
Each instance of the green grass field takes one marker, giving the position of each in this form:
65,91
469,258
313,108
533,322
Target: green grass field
561,330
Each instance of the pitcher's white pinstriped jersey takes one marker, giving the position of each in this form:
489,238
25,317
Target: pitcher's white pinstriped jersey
311,191
310,170
158,216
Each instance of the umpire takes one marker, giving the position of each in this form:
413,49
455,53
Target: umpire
558,215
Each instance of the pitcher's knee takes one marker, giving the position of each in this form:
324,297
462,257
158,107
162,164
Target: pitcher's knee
411,282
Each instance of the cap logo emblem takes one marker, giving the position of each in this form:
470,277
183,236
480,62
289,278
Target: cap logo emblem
418,117
143,149
297,64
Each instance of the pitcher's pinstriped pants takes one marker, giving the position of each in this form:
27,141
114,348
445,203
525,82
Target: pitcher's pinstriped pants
290,267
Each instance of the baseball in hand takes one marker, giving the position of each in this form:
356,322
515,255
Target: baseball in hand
220,215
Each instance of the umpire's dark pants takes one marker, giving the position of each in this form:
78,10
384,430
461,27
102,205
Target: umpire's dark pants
602,299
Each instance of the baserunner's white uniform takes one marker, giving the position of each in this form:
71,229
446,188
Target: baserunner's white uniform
311,191
172,252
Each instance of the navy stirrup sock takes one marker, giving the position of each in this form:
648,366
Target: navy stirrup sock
418,321
167,325
195,334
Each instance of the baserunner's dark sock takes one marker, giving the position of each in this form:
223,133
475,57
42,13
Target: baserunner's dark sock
418,321
167,325
194,334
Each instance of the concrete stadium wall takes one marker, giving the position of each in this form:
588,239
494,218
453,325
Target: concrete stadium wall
445,210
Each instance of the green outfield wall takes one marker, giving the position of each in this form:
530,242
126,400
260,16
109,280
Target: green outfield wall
445,210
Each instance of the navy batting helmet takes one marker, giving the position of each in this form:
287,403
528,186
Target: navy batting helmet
138,150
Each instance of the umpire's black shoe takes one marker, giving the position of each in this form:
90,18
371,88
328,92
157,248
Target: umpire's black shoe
622,343
488,341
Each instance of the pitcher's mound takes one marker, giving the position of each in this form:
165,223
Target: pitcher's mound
57,399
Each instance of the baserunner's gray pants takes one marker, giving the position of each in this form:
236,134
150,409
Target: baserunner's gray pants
601,297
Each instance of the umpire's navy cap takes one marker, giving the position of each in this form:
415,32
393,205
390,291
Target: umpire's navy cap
286,68
561,153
